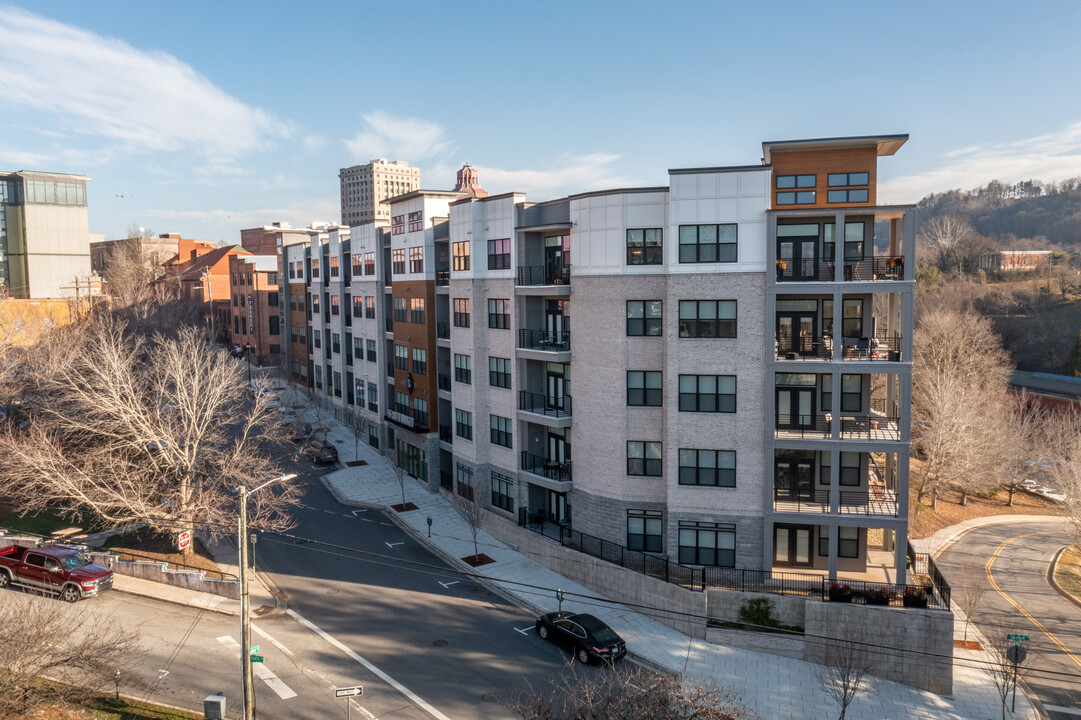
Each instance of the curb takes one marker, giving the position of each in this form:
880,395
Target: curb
991,521
1054,583
160,598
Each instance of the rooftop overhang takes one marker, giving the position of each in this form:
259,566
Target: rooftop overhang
883,144
880,212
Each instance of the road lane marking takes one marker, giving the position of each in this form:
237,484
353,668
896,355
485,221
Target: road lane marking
1060,709
525,630
263,634
448,584
391,545
162,673
990,577
364,510
363,709
261,670
386,678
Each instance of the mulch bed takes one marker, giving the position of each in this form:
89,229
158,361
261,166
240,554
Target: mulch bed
404,507
356,463
967,645
477,560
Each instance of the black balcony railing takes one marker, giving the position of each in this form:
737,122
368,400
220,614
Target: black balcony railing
870,427
805,270
878,405
442,331
390,369
804,348
444,382
541,404
542,340
551,469
544,275
446,433
871,501
889,267
876,348
442,277
390,324
802,425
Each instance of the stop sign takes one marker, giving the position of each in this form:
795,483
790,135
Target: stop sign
183,540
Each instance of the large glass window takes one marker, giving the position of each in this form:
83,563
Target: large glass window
645,530
502,433
851,393
707,393
401,309
401,357
460,251
705,543
848,541
707,243
644,388
461,312
714,468
644,318
416,310
420,361
502,492
463,421
499,372
420,412
463,368
644,458
789,182
397,261
499,254
851,463
854,238
499,314
397,225
416,260
645,246
707,318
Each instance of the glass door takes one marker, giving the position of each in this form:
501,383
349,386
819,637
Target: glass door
557,388
793,479
797,258
555,323
792,545
557,506
797,333
795,408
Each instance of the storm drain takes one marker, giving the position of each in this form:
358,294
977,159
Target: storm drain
440,643
490,698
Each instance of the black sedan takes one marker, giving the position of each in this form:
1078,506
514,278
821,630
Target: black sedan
584,635
321,453
301,434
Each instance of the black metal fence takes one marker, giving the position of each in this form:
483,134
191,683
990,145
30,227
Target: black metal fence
554,406
543,275
543,340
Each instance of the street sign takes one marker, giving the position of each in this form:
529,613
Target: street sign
183,540
1017,638
1017,654
257,658
349,692
254,650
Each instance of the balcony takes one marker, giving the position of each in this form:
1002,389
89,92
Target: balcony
854,426
877,348
442,278
875,500
552,411
444,382
883,267
551,469
543,275
543,341
390,324
442,331
804,348
446,434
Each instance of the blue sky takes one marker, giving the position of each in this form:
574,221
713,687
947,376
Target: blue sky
205,117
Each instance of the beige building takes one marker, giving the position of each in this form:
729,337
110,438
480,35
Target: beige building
364,187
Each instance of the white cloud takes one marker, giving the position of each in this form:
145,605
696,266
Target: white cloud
102,86
569,174
397,138
14,159
230,222
1050,157
314,143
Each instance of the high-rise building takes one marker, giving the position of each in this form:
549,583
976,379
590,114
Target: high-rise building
44,234
365,187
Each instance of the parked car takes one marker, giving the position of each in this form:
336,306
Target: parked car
584,635
59,570
301,433
321,453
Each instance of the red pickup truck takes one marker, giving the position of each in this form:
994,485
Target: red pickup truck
63,571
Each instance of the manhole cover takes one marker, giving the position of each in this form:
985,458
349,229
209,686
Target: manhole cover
490,698
332,591
440,643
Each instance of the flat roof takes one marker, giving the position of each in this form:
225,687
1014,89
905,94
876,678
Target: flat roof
422,193
1047,383
719,169
883,144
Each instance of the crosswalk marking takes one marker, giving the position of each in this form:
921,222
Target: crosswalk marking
261,670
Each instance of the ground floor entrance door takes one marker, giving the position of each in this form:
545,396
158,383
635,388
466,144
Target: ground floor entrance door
792,545
557,506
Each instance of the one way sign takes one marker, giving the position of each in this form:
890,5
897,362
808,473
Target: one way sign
349,692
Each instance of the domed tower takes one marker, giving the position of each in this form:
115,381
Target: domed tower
469,182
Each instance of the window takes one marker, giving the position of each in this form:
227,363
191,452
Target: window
318,377
369,307
397,261
420,412
463,424
416,221
854,237
235,303
707,318
335,303
369,263
413,459
499,314
358,307
272,299
705,543
499,254
336,342
461,312
335,261
501,431
358,350
644,458
644,388
851,393
851,464
803,197
644,318
359,388
707,393
358,269
315,267
416,260
316,337
420,361
460,251
645,246
397,225
401,309
275,325
373,397
502,492
416,310
401,403
848,541
463,477
463,369
401,357
499,372
852,195
707,243
315,303
713,468
370,345
337,384
644,530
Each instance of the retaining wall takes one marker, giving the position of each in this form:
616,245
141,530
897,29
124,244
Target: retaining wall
161,573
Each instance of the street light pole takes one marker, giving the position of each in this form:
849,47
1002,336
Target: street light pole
245,620
247,356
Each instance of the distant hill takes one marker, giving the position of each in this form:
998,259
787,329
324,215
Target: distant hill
1026,210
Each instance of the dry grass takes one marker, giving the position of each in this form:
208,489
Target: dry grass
1068,572
156,546
924,521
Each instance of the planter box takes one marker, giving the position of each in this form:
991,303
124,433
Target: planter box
877,599
840,596
912,601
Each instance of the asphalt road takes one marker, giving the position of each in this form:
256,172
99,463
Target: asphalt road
1012,562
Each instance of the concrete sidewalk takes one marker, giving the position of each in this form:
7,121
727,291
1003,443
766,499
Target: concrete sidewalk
772,686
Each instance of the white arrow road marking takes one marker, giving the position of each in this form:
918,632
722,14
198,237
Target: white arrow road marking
162,673
448,584
262,633
359,511
525,630
261,670
390,545
386,678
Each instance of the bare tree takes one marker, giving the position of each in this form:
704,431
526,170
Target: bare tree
631,693
469,508
83,647
401,474
845,664
969,594
960,378
156,431
1062,440
945,235
1000,667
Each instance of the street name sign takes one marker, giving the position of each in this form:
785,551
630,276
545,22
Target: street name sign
257,658
1017,638
254,650
349,692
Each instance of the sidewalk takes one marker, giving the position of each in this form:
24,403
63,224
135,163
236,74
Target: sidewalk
771,685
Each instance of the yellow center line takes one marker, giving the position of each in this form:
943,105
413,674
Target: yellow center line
990,577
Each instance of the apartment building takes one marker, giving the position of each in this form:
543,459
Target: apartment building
691,413
255,322
365,187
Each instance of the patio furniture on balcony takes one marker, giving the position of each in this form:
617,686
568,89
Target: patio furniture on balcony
545,467
542,404
804,348
872,348
545,341
543,275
